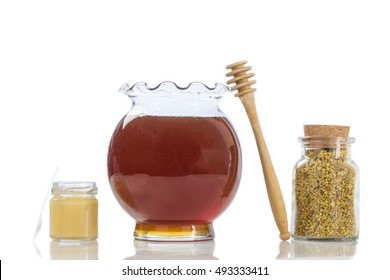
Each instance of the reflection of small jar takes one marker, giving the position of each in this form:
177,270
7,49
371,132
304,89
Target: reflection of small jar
74,250
74,211
326,186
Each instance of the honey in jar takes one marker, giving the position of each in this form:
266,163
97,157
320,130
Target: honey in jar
174,161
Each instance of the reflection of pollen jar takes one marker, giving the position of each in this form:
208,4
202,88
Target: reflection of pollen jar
74,250
323,250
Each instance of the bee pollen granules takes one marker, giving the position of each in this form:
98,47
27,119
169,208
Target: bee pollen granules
325,186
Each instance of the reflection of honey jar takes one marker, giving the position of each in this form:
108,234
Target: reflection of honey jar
174,161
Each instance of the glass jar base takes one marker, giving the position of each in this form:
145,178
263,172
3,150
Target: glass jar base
161,232
70,239
325,239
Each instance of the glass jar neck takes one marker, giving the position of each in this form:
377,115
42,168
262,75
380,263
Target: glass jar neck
74,189
168,99
327,147
181,105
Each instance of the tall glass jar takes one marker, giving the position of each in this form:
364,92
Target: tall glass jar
325,202
174,161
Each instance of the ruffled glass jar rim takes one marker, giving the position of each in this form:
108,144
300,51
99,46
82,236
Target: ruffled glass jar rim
168,88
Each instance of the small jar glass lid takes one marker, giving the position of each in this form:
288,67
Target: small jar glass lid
73,187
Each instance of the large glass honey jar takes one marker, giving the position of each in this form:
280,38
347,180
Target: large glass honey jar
174,160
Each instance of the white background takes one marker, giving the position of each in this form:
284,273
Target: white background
61,63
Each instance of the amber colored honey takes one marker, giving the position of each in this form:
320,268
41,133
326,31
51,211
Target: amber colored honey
174,170
174,232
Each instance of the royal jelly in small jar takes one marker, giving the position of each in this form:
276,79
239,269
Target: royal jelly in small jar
74,211
325,202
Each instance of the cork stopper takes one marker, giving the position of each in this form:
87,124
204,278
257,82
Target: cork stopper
326,130
326,136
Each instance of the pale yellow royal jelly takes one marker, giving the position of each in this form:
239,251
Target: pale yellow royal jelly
74,211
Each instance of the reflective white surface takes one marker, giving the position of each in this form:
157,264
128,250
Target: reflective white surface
146,250
74,250
297,249
316,62
199,250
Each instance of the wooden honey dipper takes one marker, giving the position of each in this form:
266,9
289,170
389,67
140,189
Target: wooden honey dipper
246,95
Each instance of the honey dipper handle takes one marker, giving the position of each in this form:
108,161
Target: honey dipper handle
271,181
245,92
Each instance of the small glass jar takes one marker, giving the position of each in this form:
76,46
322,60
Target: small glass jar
74,211
325,202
